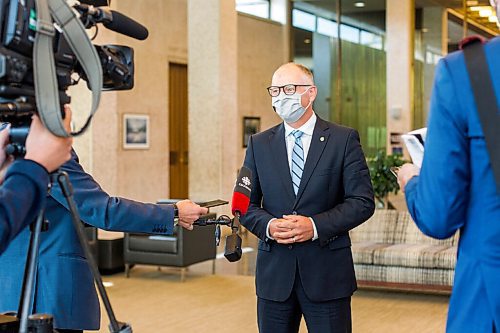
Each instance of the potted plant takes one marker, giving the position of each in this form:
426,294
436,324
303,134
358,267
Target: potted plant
383,181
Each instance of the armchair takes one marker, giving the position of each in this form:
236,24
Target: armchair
182,249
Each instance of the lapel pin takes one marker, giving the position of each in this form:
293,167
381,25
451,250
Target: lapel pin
322,139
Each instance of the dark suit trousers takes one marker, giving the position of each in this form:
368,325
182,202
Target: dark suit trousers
321,317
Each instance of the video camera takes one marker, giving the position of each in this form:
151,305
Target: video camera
39,61
18,27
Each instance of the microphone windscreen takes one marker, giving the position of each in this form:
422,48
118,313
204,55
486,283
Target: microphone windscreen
233,250
242,191
127,26
240,203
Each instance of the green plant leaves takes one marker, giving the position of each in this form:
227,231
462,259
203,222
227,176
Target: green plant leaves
383,180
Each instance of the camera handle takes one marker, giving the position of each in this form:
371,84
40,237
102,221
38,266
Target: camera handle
27,292
46,88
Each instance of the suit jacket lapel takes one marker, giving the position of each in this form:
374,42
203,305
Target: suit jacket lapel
278,148
318,143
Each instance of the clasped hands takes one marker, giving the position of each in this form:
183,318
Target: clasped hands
291,229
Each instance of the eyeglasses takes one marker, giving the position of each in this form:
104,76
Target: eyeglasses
288,89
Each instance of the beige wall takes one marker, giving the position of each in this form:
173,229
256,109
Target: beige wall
260,52
143,174
138,174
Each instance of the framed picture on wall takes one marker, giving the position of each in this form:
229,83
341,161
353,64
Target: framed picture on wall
135,131
251,125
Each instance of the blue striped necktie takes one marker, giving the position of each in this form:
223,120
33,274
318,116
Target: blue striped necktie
297,160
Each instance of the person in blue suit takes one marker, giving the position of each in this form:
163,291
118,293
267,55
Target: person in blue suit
455,190
24,185
64,283
311,185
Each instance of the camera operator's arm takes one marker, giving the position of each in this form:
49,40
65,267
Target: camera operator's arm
24,191
101,210
21,197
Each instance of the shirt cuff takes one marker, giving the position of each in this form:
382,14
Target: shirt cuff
268,235
315,230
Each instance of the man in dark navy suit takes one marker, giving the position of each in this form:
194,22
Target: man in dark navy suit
311,185
24,189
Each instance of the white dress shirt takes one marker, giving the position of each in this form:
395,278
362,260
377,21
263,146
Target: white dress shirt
307,129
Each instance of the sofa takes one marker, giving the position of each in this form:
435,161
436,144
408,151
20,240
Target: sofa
390,252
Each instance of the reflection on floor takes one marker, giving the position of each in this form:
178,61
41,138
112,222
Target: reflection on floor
156,300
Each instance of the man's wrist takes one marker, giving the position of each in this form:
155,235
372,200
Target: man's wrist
268,231
315,230
410,176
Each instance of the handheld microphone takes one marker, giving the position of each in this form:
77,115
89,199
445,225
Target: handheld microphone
115,21
239,207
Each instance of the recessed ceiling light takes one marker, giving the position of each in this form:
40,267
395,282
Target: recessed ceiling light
479,8
485,12
359,4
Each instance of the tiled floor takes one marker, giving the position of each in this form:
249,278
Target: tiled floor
157,301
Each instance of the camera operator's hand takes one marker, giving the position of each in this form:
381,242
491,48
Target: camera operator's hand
45,148
189,212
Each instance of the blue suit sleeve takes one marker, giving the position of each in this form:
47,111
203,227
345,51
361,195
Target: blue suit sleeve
437,199
101,210
256,218
22,195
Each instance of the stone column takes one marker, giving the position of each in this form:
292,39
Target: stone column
287,6
97,148
400,26
435,39
322,58
212,85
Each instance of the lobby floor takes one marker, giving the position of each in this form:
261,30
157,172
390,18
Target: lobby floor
155,300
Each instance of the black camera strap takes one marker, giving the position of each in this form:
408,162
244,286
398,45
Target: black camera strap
485,100
46,87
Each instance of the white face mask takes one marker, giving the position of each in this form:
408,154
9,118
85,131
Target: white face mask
289,107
